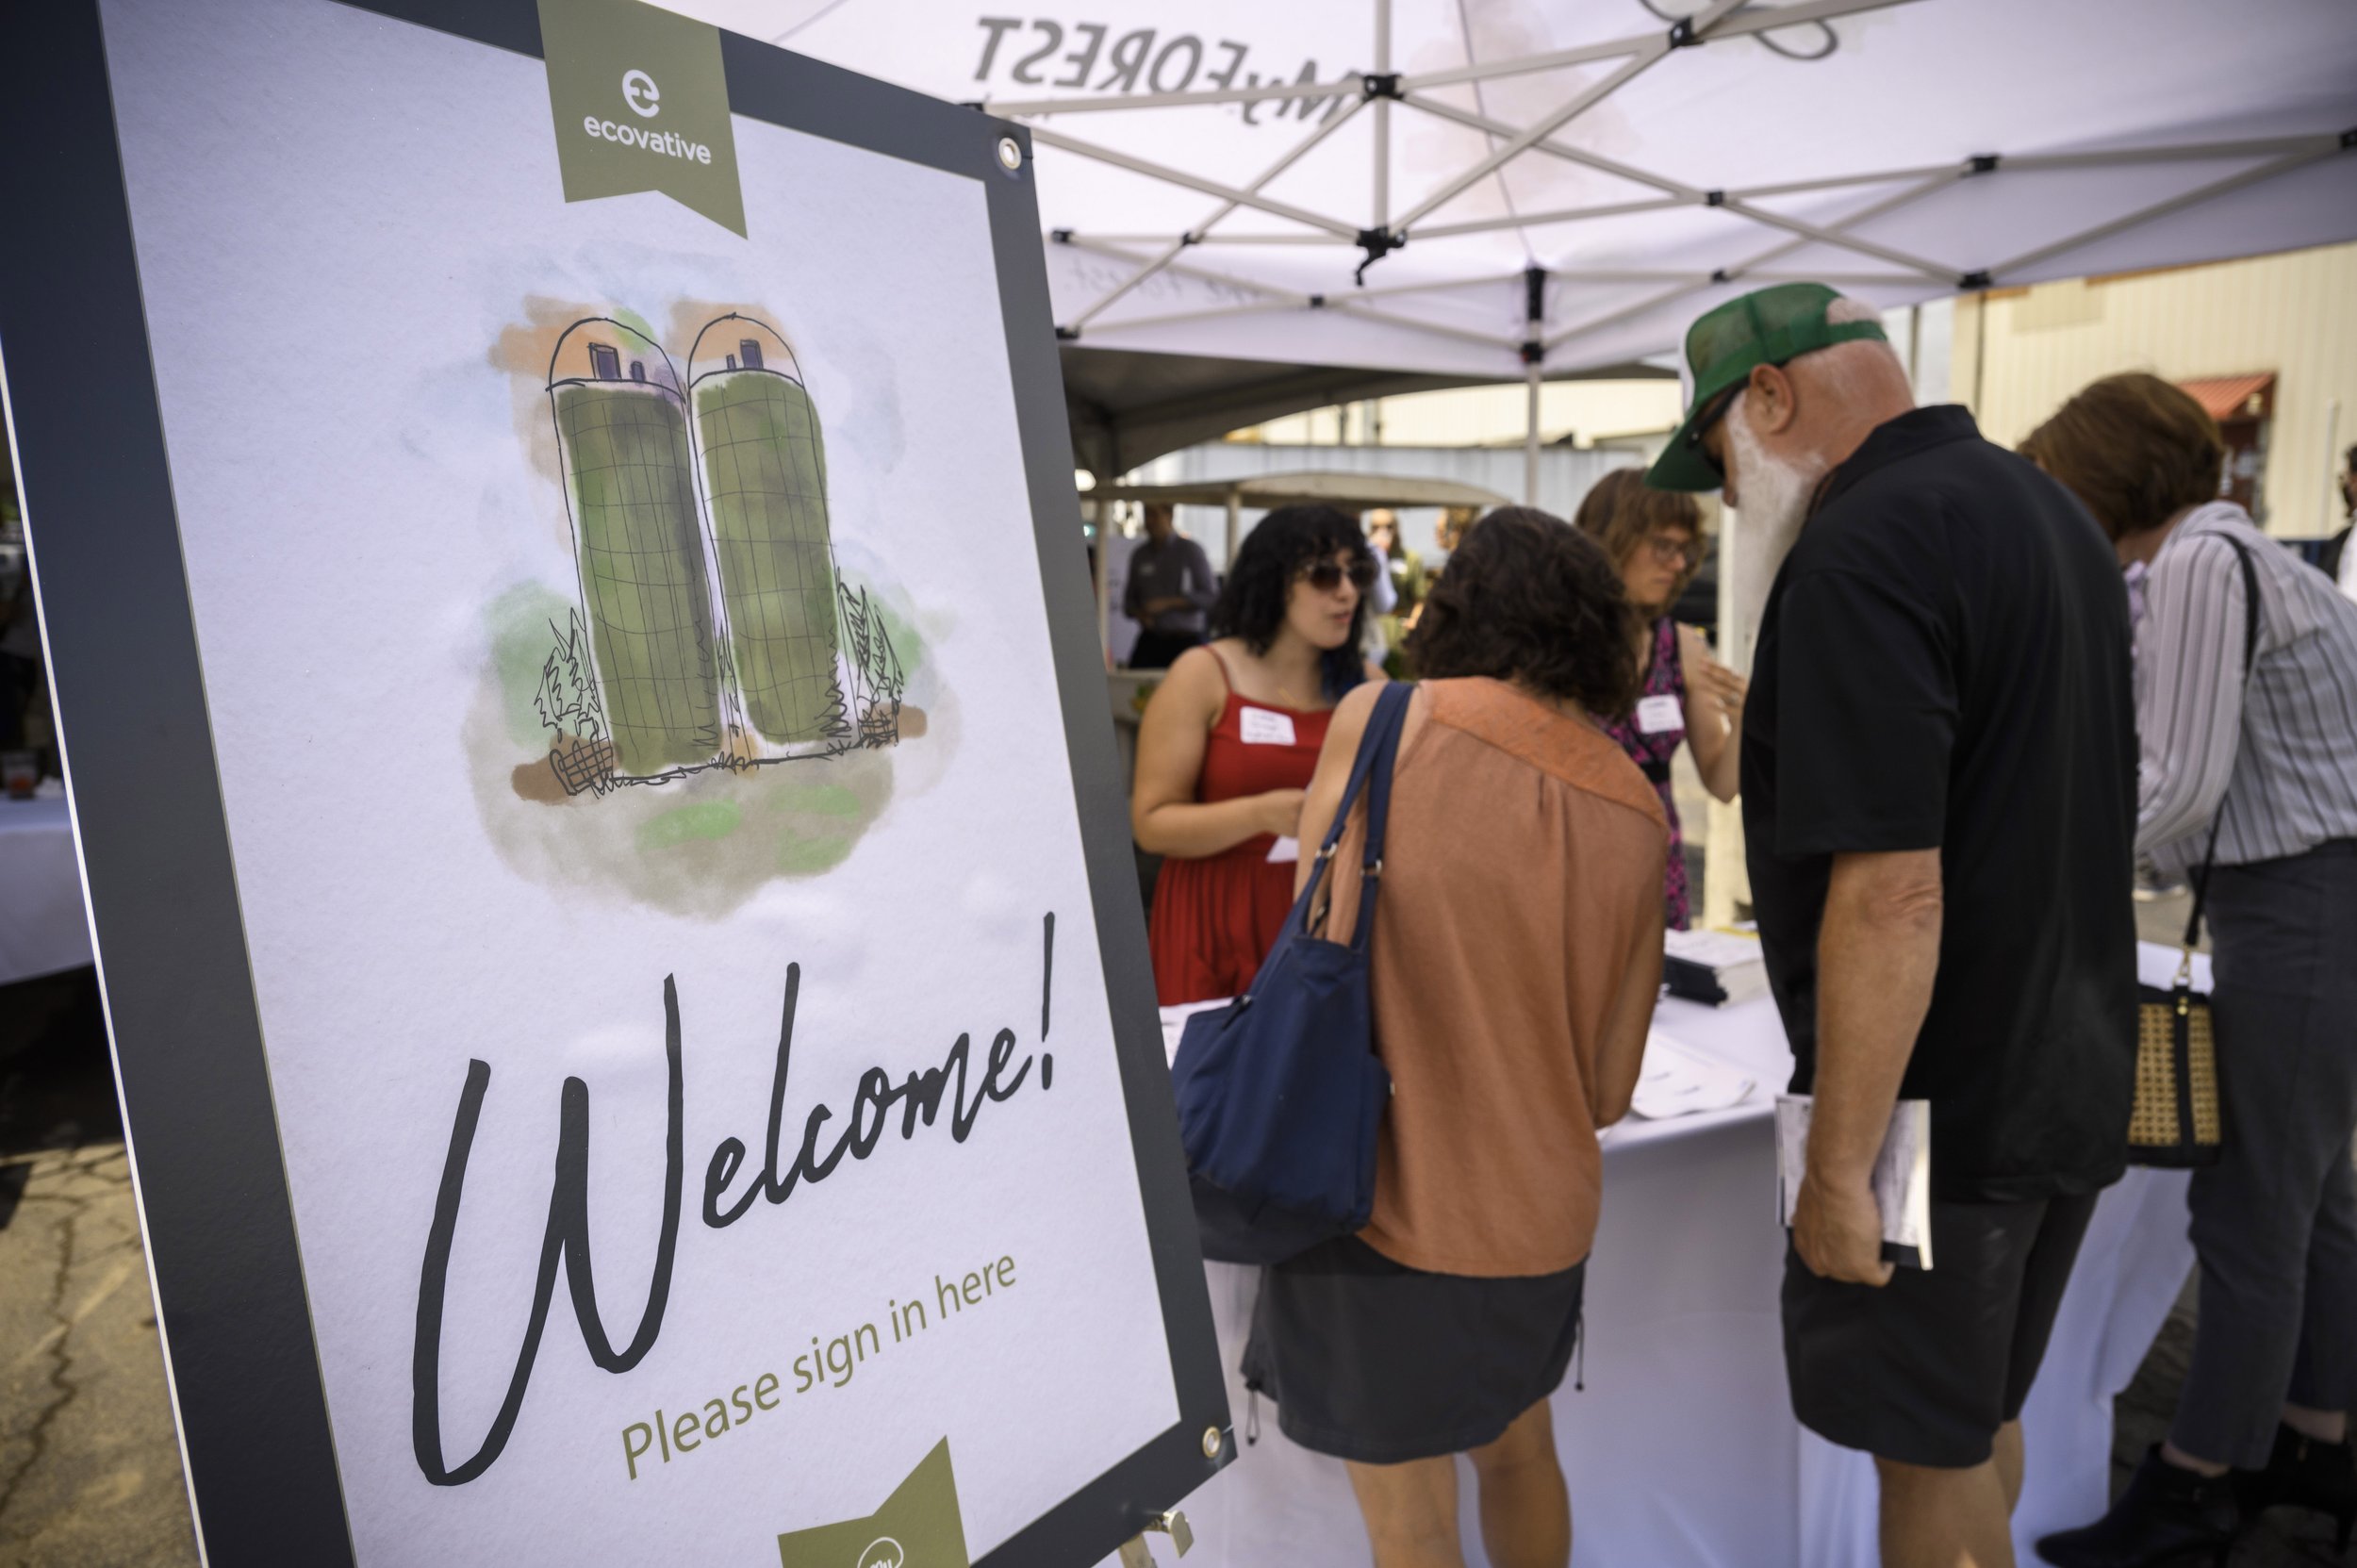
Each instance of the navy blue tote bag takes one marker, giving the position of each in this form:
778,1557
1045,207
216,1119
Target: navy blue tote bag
1281,1093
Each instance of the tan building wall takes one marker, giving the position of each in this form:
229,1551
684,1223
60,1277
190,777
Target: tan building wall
2294,314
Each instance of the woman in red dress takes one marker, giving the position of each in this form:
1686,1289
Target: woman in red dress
1230,739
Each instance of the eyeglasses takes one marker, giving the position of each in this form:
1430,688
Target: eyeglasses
1326,576
1673,550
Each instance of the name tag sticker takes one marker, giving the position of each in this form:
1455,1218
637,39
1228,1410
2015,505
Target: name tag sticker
1263,728
1659,714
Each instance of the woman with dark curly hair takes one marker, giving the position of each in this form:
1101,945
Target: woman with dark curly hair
1685,697
1229,743
1516,955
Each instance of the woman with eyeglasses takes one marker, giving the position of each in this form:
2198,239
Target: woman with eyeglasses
1230,739
1687,698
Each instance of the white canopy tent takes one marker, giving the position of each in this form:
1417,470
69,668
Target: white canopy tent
1502,187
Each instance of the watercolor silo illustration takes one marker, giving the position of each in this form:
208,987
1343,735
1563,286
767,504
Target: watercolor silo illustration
629,484
765,482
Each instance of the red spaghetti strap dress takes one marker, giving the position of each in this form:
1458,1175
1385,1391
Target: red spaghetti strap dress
1216,919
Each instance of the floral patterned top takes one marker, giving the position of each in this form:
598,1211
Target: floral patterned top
1651,732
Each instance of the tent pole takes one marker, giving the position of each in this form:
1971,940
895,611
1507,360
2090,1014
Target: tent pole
1235,527
1530,442
1533,361
1382,118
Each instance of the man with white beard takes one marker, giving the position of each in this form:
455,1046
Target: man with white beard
1939,777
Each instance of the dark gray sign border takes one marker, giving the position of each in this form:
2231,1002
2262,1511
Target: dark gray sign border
96,486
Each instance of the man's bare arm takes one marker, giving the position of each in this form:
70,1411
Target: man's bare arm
1877,955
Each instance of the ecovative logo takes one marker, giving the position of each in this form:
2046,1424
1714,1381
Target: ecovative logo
641,102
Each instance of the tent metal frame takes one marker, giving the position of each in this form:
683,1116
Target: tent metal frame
1380,90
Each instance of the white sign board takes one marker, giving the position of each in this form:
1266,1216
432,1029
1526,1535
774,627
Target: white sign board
621,710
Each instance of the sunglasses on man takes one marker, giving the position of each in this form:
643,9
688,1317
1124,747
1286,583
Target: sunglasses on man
1702,427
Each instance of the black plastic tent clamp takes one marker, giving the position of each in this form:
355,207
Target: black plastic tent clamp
1378,244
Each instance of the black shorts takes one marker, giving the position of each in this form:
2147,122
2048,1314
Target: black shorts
1372,1361
1925,1369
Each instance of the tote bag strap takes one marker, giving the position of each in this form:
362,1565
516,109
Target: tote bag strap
1393,706
1371,770
2217,824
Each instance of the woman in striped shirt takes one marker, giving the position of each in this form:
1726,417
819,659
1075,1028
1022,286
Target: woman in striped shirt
2266,750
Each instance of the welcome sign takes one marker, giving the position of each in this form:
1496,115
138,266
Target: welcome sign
575,655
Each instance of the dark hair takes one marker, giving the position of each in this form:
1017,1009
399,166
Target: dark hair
1526,596
1621,509
1260,581
2134,449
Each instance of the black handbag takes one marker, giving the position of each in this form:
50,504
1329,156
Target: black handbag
2177,1123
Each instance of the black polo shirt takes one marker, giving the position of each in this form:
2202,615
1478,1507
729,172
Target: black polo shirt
1944,663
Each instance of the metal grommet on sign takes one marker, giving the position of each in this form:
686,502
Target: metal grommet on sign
1212,1443
1009,153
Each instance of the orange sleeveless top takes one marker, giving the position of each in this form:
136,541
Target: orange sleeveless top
1522,884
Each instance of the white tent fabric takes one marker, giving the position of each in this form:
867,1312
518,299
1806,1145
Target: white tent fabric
1215,174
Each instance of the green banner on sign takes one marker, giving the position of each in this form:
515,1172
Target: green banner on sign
641,102
918,1527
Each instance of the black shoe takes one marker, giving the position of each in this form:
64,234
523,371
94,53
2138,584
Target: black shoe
2165,1518
2304,1473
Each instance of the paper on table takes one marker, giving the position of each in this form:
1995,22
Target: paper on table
1677,1080
1903,1174
1720,950
2156,966
1284,851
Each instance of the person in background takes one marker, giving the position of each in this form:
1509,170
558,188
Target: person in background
20,657
1382,594
1450,532
1230,740
1169,591
1516,958
1404,565
1938,779
1655,538
2273,748
1403,568
2336,561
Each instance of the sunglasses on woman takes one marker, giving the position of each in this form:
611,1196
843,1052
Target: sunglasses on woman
1326,576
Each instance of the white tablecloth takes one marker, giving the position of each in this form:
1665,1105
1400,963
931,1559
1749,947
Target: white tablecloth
42,925
1682,1452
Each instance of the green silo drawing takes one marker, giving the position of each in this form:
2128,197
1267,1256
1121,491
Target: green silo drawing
765,472
637,538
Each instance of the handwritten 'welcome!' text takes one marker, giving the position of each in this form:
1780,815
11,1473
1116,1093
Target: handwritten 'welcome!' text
918,1096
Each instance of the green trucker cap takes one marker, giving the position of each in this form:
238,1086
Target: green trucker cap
1768,326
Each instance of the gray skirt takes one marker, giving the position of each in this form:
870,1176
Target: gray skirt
1371,1361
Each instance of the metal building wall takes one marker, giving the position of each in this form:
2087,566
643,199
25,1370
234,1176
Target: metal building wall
2294,314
